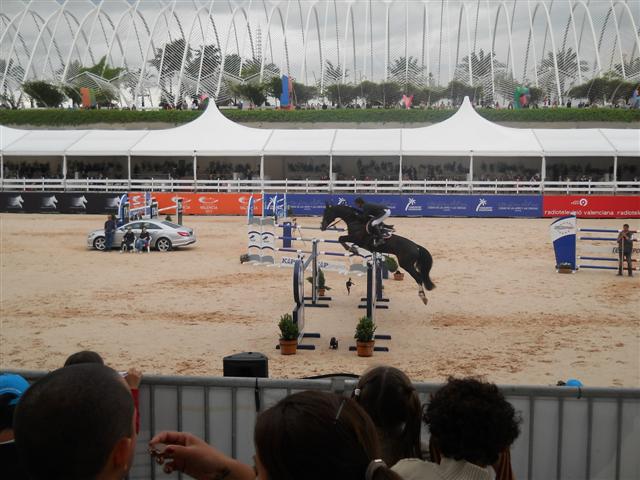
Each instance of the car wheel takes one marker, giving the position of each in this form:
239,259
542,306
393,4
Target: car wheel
99,243
163,244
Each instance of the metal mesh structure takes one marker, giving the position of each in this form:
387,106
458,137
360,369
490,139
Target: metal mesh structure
147,52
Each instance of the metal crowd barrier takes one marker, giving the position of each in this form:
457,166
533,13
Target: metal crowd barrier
566,433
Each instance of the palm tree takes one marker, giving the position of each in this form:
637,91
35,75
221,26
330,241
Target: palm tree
567,69
405,70
169,62
334,74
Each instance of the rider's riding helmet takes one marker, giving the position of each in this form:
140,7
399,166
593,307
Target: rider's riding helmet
359,201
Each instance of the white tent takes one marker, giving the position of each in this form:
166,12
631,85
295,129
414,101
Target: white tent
211,134
467,133
300,142
107,143
10,135
625,141
586,142
373,142
44,142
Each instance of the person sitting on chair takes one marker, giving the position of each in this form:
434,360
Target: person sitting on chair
379,213
144,240
127,241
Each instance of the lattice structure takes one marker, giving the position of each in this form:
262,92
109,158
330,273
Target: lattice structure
173,51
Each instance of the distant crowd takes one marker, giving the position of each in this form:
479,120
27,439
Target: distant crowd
81,422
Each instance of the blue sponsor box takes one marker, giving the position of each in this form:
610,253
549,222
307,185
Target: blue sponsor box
526,206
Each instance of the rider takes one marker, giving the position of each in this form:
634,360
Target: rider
379,214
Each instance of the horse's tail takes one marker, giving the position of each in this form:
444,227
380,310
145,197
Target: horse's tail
426,262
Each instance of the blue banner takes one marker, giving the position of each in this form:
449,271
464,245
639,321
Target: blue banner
526,206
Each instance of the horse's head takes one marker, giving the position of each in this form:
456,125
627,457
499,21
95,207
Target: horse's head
328,216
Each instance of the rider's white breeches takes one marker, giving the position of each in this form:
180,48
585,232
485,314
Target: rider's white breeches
381,219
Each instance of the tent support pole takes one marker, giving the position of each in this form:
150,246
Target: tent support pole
2,171
129,171
471,172
195,172
330,173
615,169
64,172
400,174
262,172
543,169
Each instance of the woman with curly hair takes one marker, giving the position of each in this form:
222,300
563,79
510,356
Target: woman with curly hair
393,404
471,424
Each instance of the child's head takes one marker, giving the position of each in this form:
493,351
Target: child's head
389,398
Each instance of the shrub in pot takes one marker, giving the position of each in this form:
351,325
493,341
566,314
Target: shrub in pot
392,265
321,285
365,330
288,335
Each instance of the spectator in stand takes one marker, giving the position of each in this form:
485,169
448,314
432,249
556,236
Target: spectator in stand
109,232
76,423
12,387
132,377
393,404
308,435
471,426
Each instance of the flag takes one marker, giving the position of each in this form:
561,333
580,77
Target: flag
88,97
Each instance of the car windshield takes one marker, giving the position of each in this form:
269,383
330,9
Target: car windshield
172,225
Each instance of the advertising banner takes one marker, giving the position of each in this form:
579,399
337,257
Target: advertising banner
201,203
592,206
59,202
529,206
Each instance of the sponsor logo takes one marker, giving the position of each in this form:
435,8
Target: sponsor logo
288,260
207,200
254,237
583,202
411,206
112,202
49,202
79,202
15,202
482,206
342,201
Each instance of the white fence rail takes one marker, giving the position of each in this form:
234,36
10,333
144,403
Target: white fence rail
318,186
566,433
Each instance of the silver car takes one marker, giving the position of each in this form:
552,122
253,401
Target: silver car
164,235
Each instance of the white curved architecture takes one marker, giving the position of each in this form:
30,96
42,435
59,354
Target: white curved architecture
172,49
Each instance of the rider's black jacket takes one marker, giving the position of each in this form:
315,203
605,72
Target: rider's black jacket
373,210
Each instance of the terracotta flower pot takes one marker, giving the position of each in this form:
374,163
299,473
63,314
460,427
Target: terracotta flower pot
365,349
398,276
288,347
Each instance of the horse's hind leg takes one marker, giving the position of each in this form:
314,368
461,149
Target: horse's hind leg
415,274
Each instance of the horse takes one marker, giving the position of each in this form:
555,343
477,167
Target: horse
413,258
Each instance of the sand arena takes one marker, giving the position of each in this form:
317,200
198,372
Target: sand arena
499,309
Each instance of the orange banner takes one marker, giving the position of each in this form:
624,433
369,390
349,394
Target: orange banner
201,203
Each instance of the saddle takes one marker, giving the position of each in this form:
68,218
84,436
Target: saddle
385,230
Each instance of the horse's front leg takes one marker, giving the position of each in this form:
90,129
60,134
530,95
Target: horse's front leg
350,248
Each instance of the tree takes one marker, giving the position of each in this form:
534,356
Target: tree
170,63
341,94
456,91
391,93
603,89
44,93
371,92
303,93
567,69
273,87
103,69
253,92
209,57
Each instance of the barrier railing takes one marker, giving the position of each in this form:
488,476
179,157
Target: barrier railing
316,186
566,433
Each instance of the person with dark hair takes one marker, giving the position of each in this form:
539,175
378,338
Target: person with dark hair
132,377
76,423
378,213
12,387
127,241
625,249
85,356
471,424
390,399
307,436
144,240
109,232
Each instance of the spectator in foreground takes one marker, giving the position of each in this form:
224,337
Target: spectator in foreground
76,423
389,398
471,425
132,377
306,436
12,387
127,241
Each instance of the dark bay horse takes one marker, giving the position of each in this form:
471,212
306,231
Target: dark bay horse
413,258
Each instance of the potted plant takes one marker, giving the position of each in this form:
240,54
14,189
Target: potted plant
389,265
364,337
288,335
392,265
320,285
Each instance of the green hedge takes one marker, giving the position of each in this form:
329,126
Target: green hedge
61,117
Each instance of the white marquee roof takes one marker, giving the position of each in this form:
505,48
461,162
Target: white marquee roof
212,134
